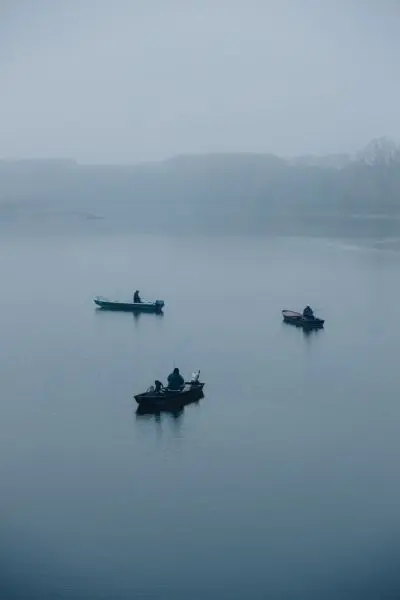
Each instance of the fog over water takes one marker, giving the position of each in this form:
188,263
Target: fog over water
233,159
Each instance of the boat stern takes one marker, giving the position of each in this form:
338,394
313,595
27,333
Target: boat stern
159,305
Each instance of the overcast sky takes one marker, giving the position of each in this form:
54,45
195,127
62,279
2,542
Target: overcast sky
132,80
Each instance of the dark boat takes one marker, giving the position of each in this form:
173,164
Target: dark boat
296,318
150,307
167,399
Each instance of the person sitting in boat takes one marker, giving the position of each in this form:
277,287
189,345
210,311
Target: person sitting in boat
175,380
158,386
136,298
308,313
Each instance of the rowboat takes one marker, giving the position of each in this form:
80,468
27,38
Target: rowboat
150,307
170,399
296,318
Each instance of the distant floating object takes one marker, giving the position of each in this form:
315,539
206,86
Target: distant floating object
296,318
149,307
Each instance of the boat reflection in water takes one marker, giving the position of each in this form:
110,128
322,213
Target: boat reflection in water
174,409
172,418
136,316
175,412
311,331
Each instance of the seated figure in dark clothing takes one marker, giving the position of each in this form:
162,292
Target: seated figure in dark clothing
308,312
136,297
158,386
175,380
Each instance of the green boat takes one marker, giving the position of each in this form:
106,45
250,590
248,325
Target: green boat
149,307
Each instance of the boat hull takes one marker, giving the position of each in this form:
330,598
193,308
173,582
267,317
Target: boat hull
295,318
149,307
169,400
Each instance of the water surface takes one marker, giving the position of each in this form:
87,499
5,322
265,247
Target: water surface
283,482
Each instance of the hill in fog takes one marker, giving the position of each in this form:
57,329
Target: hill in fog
217,191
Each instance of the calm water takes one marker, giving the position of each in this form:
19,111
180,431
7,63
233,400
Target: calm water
283,482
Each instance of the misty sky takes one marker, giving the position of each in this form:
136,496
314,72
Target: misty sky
133,80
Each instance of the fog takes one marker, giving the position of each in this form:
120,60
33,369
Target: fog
233,159
132,81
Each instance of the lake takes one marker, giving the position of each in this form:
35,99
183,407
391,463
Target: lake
283,482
